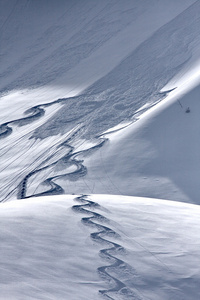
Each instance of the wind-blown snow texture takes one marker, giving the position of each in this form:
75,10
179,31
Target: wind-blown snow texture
93,100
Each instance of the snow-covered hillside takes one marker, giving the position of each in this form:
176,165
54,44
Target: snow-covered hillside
99,98
157,156
118,57
47,253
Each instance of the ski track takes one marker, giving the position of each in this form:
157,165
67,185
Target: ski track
118,288
56,189
35,113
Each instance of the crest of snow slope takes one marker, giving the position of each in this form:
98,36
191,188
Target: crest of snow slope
47,253
158,156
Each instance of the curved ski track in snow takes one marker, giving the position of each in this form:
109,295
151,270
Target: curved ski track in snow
118,287
35,113
56,189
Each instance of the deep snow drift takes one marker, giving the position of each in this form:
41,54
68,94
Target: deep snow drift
94,99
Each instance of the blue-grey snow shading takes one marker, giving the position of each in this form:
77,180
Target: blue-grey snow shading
117,287
137,80
69,71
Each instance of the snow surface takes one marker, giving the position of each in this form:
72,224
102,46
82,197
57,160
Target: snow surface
158,156
93,101
47,253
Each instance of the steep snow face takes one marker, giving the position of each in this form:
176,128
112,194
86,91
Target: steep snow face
71,71
158,155
45,252
117,56
135,81
48,253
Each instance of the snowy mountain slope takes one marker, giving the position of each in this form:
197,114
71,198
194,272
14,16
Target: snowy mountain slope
157,51
157,156
47,252
72,73
42,41
137,79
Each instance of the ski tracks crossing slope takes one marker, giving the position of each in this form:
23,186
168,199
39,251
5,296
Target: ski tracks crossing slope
117,288
69,157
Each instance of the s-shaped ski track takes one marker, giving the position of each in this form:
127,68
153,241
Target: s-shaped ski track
119,288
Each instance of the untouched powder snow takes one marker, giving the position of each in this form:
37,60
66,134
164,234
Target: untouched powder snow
47,252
